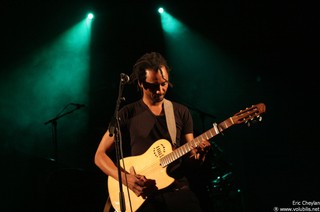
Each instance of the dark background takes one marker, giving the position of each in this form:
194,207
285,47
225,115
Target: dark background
273,46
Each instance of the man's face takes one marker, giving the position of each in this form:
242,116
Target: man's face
156,84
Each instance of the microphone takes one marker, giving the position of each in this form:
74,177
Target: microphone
78,105
124,78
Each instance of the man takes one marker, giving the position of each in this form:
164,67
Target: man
144,122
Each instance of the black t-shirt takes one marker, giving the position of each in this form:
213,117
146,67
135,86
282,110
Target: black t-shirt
143,128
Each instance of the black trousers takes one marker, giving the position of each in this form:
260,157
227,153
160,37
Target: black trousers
172,199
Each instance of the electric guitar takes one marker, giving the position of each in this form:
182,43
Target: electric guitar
154,162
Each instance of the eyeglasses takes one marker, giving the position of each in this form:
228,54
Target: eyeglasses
153,86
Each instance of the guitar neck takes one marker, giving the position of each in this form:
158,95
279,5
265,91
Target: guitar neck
184,149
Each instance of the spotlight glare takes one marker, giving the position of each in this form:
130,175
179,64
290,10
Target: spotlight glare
160,10
90,16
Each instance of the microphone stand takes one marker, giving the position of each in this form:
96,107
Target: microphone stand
54,124
114,129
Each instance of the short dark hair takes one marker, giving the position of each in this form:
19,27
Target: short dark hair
152,60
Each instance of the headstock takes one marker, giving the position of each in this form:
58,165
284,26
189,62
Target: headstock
249,114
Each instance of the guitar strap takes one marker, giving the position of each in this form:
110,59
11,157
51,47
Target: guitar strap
171,122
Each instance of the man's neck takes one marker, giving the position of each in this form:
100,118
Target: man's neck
152,103
155,107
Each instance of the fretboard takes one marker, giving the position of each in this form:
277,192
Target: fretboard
184,149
